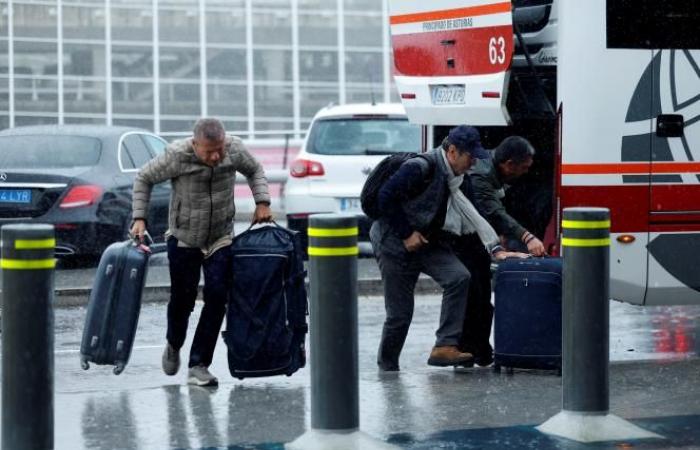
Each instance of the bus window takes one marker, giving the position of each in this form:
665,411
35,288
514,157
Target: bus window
653,24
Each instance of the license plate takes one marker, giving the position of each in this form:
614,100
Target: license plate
452,94
350,205
15,196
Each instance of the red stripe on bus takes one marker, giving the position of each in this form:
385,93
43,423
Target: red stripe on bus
632,210
472,11
631,168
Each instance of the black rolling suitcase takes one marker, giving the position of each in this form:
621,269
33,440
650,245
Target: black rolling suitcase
114,306
527,316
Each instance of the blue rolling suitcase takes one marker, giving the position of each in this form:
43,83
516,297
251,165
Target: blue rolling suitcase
527,315
114,306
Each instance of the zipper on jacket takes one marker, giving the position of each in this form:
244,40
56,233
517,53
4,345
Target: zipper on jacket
211,204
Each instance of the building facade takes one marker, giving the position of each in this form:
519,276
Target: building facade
263,66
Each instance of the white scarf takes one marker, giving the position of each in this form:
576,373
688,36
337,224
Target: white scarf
462,217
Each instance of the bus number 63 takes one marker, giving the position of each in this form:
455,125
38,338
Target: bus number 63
497,50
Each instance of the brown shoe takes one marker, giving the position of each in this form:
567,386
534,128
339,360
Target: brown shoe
449,355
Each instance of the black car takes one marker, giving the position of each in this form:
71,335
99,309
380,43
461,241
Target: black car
79,179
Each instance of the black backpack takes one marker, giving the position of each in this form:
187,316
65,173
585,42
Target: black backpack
376,179
266,315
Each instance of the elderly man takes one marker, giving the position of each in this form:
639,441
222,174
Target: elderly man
202,170
426,206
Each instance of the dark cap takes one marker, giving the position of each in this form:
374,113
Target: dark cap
468,139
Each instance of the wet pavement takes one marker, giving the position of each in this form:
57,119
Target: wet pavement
654,381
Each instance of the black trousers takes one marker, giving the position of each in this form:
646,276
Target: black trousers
479,311
399,276
185,267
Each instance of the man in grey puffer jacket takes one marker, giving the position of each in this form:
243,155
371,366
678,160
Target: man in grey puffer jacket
202,170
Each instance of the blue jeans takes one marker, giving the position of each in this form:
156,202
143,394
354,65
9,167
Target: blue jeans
185,267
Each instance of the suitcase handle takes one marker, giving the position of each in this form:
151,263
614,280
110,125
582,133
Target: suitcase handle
265,224
138,243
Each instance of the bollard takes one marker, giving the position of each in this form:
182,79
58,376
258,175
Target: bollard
333,322
27,336
585,309
335,406
586,333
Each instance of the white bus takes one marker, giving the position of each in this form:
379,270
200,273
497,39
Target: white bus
608,91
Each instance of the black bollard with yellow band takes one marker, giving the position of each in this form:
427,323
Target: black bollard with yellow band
27,264
586,317
333,322
586,334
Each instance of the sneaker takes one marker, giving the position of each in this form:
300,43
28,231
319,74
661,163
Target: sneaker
171,360
449,355
200,376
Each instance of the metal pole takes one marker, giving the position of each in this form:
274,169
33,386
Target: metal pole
333,322
585,309
27,336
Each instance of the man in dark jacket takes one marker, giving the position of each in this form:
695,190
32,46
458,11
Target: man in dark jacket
413,237
202,170
491,177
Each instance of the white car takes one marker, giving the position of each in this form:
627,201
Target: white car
342,146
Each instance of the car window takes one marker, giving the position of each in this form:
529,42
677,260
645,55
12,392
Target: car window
133,146
155,144
363,136
48,151
125,160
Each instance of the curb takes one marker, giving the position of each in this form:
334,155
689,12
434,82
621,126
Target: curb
69,297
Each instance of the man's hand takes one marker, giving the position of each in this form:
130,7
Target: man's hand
535,247
502,255
262,213
138,229
414,242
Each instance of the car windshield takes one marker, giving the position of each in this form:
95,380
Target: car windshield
363,136
48,152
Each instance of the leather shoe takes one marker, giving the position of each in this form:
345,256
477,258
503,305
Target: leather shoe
449,355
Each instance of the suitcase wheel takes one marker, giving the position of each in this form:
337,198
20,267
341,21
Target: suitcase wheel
119,368
84,363
497,368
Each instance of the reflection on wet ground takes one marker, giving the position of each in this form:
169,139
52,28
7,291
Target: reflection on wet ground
653,332
421,407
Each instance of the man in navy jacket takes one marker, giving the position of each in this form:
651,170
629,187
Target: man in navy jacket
410,238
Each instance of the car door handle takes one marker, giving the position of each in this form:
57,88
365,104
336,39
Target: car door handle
669,125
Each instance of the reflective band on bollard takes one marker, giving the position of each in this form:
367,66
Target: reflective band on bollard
27,336
586,317
333,322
